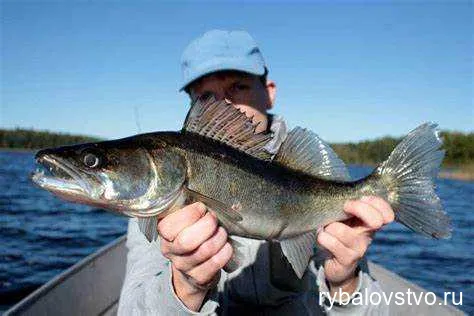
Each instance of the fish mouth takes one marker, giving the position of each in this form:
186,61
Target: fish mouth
60,177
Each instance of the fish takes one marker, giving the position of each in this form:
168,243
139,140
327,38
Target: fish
219,159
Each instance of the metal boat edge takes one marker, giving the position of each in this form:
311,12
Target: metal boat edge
92,287
91,284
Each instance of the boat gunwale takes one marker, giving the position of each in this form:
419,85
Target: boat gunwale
376,271
46,288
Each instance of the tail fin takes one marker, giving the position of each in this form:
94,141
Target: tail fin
409,173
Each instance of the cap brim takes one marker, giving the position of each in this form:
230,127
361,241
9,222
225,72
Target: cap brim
223,65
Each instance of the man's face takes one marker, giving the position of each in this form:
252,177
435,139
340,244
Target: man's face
246,92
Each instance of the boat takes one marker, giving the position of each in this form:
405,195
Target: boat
92,287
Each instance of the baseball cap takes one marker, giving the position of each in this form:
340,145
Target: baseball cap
219,50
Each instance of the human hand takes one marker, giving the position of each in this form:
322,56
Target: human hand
349,240
197,248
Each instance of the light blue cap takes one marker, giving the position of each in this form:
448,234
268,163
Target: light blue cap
219,50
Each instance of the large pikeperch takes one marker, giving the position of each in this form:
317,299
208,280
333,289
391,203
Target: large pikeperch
219,160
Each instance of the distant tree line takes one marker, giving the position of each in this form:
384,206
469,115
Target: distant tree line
459,146
33,139
459,149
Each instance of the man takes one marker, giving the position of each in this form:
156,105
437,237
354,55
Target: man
182,273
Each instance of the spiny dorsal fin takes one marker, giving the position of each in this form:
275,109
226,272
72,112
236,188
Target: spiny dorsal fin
223,122
304,151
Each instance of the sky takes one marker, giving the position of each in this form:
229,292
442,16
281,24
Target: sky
349,70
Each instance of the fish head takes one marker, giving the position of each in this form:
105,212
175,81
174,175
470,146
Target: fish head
114,175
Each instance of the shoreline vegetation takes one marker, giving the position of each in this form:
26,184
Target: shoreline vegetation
458,163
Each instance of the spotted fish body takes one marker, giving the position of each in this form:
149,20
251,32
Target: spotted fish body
218,159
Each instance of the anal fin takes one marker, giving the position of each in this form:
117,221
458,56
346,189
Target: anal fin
298,251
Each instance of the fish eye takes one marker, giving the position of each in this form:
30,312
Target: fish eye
91,160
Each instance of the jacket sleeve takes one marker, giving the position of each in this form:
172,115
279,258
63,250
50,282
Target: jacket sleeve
358,303
147,288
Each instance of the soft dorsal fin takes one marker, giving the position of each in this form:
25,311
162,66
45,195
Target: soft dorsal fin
223,122
304,151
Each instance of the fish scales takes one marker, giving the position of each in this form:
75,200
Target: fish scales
283,202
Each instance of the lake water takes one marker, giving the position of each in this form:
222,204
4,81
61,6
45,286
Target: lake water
41,236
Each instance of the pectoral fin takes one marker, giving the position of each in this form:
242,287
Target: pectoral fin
298,251
224,212
148,226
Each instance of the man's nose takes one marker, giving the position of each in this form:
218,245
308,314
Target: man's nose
219,95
